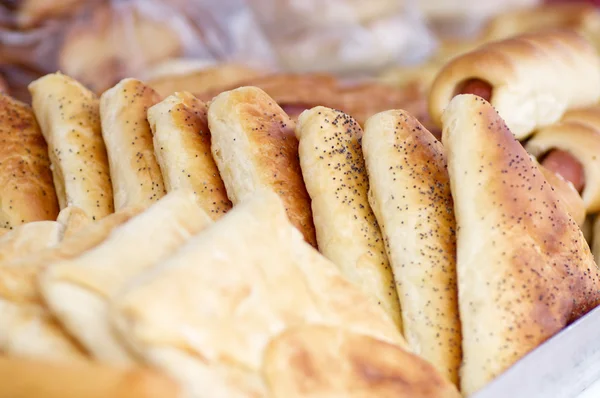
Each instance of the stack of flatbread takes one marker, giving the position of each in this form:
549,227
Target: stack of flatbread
174,248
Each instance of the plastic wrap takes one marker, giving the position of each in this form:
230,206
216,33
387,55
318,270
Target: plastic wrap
100,42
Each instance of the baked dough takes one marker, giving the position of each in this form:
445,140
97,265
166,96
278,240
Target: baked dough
78,290
21,377
336,180
134,171
578,133
524,268
567,194
26,189
254,146
69,117
410,196
327,350
182,145
256,278
534,78
73,219
29,238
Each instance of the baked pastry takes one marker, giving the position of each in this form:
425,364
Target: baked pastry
530,79
111,43
524,268
254,145
29,238
570,148
69,117
78,290
134,171
410,196
31,13
264,285
26,189
199,80
580,16
336,180
182,143
567,194
22,377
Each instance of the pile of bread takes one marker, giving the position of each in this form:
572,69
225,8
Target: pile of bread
166,246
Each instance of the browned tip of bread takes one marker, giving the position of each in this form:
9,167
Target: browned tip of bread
26,188
22,377
253,144
301,361
523,264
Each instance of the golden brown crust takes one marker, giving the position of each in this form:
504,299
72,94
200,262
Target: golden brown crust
26,189
69,117
567,194
299,361
134,171
532,85
334,172
254,145
45,379
182,143
523,265
410,196
202,81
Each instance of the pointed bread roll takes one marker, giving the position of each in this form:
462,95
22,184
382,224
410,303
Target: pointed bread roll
69,116
207,314
21,377
410,195
135,175
524,268
78,290
336,180
254,146
182,145
26,190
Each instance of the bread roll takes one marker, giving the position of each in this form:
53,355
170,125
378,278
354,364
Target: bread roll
25,378
531,79
578,136
135,174
207,314
328,350
410,196
567,194
182,145
254,146
69,117
77,290
524,268
26,190
336,180
201,80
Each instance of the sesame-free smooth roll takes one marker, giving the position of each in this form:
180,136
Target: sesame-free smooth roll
26,189
69,116
530,79
182,143
570,148
524,268
410,195
254,146
336,180
135,174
